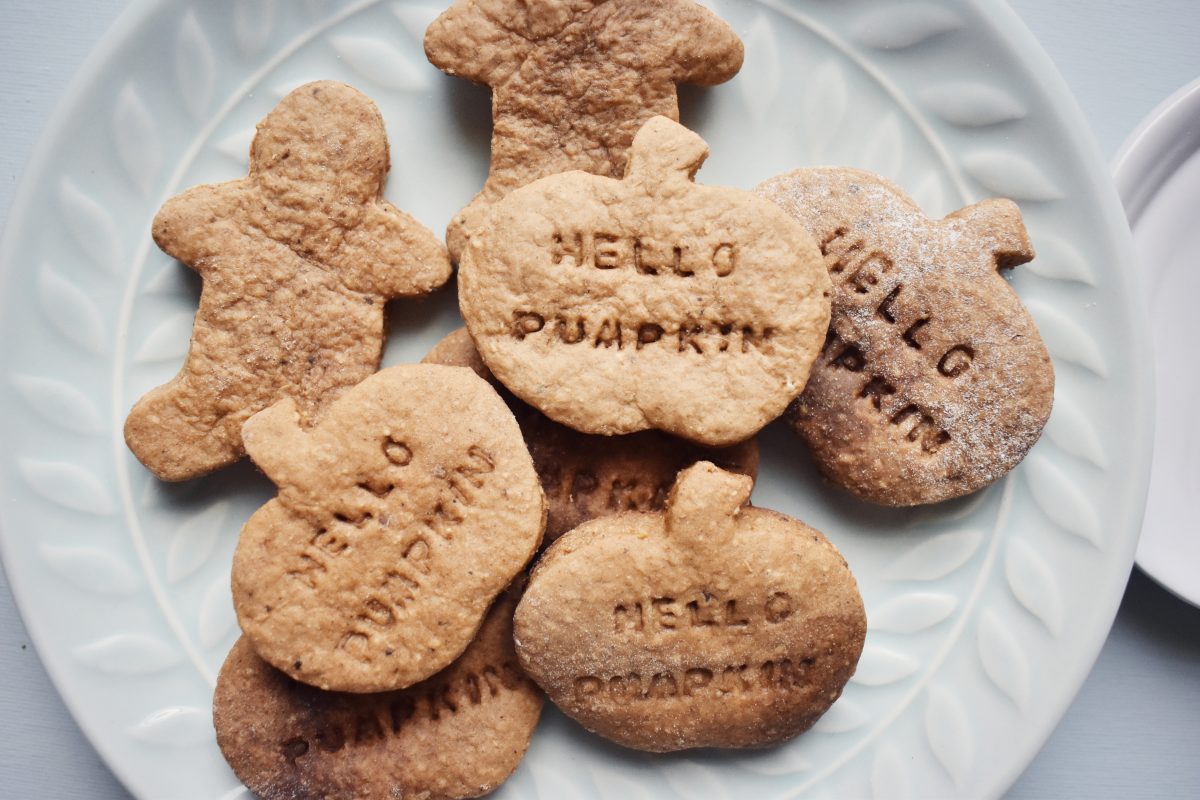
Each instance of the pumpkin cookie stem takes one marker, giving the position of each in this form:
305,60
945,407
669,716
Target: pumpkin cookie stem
703,507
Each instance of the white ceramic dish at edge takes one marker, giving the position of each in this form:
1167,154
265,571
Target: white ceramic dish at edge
1157,172
985,614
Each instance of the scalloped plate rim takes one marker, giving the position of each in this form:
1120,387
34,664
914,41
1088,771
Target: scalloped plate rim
130,21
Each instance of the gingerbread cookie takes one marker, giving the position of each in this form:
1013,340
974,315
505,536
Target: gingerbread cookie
585,476
400,516
458,734
573,80
714,624
297,261
650,302
934,381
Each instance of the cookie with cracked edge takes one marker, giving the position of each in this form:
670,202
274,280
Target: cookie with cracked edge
573,80
297,260
651,302
400,516
714,624
934,381
586,476
457,734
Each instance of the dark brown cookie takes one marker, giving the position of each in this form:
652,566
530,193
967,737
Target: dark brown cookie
586,476
934,381
459,734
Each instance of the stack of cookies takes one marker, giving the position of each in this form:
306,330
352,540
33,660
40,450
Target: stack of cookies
628,332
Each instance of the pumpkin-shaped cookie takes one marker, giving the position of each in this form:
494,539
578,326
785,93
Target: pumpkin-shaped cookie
458,734
650,302
934,381
400,516
712,624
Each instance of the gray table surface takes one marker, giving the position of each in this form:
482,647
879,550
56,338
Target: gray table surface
1133,730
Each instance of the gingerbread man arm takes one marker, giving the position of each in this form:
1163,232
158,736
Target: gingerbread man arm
703,49
469,42
998,223
275,441
391,254
197,225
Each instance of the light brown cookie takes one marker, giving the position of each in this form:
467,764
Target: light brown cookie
714,624
573,80
400,516
586,476
934,381
458,734
297,261
650,302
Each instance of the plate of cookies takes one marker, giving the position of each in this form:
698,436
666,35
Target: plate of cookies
570,399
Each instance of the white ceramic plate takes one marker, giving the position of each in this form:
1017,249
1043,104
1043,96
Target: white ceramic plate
985,613
1157,172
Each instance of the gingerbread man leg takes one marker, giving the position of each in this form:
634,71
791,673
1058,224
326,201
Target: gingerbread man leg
180,432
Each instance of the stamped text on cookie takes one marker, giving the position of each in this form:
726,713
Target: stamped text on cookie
705,610
717,681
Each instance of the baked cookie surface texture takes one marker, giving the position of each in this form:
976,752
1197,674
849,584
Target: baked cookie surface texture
573,80
649,302
400,516
934,381
712,625
458,734
297,261
585,476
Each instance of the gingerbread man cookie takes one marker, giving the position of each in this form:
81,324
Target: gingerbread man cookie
458,734
713,624
400,516
297,259
573,80
934,381
649,302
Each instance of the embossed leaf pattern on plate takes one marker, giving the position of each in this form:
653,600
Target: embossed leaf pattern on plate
416,17
92,569
842,717
1007,174
1033,584
135,135
1003,659
61,403
1066,339
935,557
68,485
380,62
1060,499
217,618
879,666
92,228
948,730
252,22
195,66
912,613
169,341
129,654
896,26
177,726
1070,429
71,312
972,104
194,541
